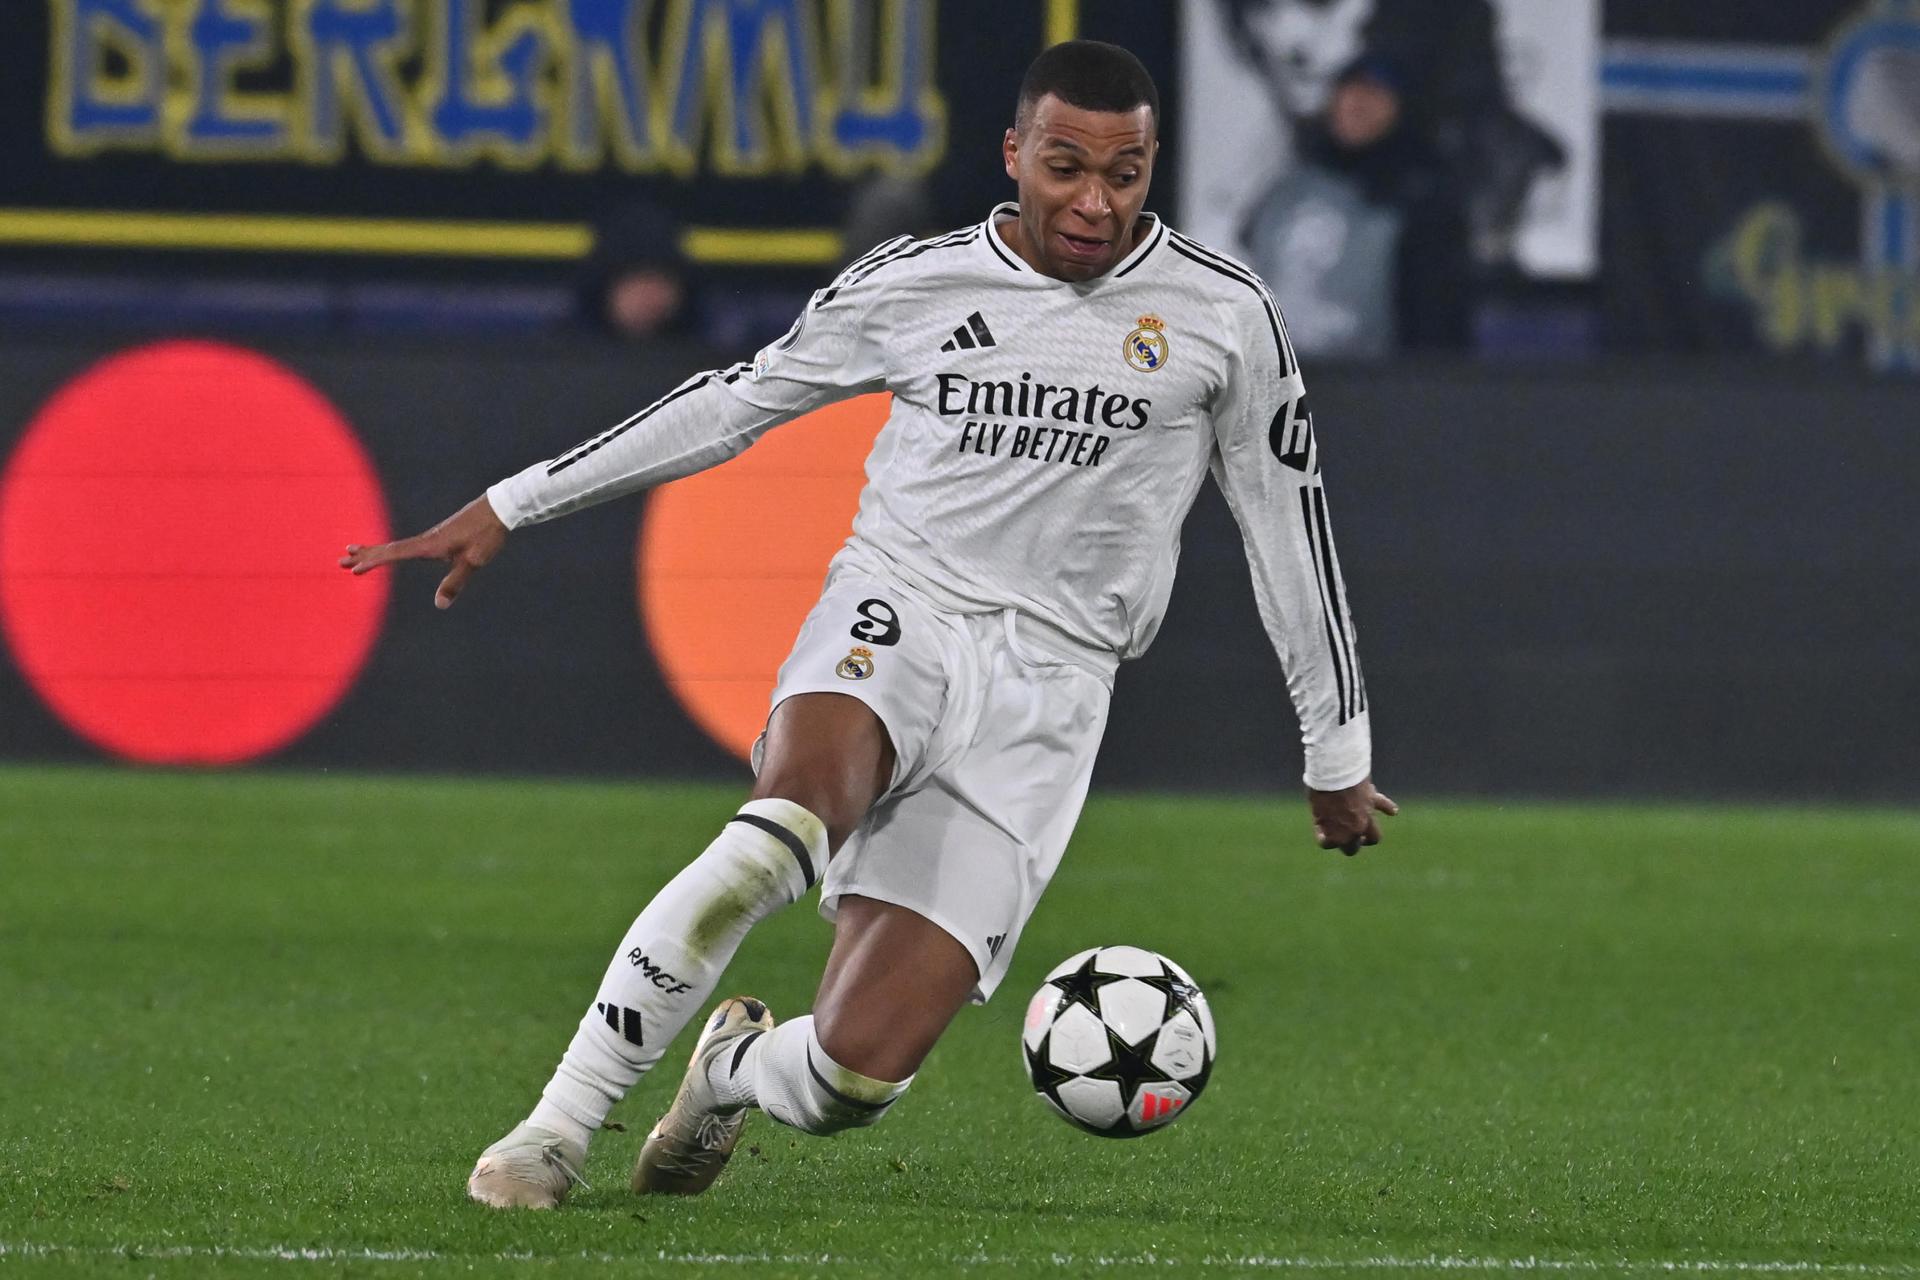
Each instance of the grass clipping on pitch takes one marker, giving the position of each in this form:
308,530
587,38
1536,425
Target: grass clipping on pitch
267,1021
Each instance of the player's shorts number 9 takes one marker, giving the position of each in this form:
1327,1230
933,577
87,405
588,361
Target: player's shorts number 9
879,625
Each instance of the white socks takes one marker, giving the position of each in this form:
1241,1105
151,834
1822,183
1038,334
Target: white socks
788,1075
671,959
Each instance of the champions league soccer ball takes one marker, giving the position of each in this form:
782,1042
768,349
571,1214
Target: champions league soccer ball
1119,1041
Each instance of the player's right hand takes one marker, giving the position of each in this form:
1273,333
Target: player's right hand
1348,819
469,538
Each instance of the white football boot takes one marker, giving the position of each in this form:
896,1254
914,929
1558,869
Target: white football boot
528,1169
692,1143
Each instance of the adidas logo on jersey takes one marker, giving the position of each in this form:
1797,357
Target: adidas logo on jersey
974,333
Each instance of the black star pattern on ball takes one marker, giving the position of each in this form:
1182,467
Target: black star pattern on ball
1178,991
1130,1067
1082,986
1047,1078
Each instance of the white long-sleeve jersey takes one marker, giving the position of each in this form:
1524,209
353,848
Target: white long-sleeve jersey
1045,443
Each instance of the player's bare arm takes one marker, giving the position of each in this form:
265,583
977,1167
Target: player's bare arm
1349,818
469,539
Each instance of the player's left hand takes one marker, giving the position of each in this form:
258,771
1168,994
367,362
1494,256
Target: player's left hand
468,539
1348,819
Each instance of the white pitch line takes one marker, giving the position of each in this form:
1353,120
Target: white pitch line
1252,1262
1676,1266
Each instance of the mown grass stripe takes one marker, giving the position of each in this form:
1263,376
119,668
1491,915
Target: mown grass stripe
1055,1261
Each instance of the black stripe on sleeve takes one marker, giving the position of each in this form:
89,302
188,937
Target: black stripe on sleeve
1193,251
910,249
1326,604
880,250
605,438
1226,265
901,249
792,334
795,845
1248,276
1291,360
1339,600
950,240
859,270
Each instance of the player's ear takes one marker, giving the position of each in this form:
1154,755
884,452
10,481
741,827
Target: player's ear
1010,153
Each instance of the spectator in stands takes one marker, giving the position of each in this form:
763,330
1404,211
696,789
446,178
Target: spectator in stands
635,284
1410,174
1364,238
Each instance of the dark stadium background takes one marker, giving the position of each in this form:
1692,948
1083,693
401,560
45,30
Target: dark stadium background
1672,559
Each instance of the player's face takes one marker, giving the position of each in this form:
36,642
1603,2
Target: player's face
1083,177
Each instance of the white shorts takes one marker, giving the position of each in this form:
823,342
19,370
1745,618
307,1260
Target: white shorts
993,737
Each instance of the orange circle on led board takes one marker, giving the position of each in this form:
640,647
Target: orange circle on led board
730,561
169,524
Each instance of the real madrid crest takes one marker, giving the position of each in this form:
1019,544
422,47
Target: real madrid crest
857,665
1146,348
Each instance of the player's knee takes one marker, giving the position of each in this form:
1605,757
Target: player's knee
841,808
774,852
838,821
830,754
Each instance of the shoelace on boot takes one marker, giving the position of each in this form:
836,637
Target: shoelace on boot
550,1152
686,1160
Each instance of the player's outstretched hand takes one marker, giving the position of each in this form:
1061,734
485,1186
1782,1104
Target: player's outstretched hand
1349,818
469,538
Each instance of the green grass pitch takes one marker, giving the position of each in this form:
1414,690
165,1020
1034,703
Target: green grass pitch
262,1024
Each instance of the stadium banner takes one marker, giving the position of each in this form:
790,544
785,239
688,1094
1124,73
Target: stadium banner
504,128
1763,178
1484,123
1533,617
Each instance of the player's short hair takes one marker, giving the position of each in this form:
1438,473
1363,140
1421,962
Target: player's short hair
1090,74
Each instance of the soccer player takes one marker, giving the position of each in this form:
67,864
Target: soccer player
1065,374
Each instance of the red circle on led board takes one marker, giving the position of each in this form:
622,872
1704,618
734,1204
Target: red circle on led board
730,561
169,526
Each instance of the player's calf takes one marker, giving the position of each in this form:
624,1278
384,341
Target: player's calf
671,959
